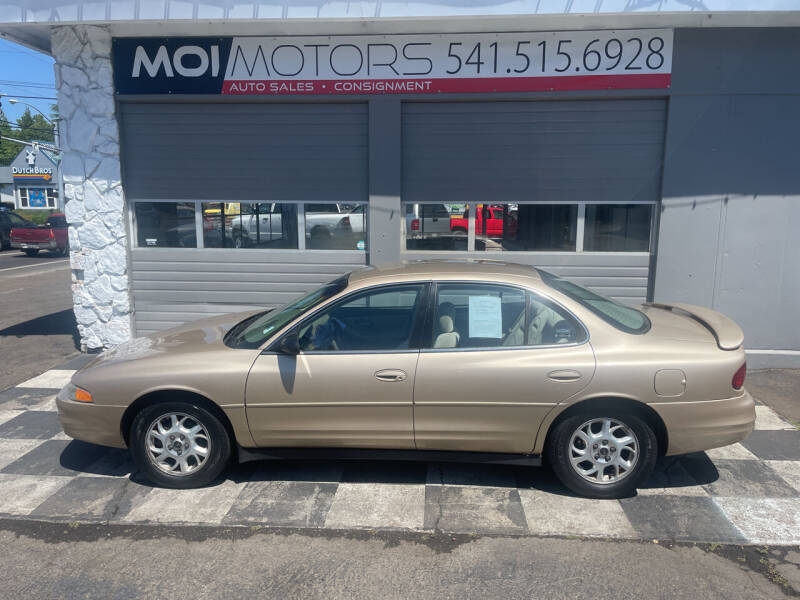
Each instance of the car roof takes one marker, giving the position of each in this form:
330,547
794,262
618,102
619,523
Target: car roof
477,269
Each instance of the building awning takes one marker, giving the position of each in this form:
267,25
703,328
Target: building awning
28,22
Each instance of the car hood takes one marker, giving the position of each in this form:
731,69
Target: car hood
204,335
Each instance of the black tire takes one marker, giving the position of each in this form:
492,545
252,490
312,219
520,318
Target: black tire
558,453
63,252
5,243
219,450
31,252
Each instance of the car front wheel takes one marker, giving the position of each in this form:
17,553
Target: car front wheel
602,455
179,445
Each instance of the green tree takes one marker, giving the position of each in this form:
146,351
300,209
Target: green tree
29,127
33,127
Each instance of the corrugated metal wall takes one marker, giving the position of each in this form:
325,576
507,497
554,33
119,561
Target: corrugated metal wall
582,150
172,286
264,152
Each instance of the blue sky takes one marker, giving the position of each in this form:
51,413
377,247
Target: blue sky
20,67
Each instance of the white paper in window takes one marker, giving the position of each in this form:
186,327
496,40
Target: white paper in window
485,317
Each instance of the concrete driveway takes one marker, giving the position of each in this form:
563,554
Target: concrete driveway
37,327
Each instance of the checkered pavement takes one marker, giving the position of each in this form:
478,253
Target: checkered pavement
744,493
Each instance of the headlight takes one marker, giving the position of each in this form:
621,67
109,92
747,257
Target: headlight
75,394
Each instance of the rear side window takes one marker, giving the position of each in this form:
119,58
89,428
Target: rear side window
624,318
478,315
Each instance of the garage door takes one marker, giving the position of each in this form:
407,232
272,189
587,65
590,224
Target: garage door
220,196
576,184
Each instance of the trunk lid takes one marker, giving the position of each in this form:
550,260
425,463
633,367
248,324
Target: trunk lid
693,323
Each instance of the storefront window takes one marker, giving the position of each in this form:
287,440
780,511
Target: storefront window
249,225
336,226
436,226
525,227
37,197
165,224
617,227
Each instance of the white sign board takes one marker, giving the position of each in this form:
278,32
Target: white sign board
485,317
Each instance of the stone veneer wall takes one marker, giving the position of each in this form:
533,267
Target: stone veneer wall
92,188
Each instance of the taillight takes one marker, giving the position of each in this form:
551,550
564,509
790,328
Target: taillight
52,235
738,378
414,224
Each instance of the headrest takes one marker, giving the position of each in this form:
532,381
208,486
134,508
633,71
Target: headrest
446,323
447,308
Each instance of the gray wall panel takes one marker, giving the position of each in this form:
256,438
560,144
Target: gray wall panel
604,150
172,286
731,205
245,151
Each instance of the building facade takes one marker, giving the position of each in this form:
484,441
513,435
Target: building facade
34,180
213,165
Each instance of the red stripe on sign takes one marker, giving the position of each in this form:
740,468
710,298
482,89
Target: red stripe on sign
448,85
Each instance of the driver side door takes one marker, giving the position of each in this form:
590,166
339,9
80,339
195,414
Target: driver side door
352,382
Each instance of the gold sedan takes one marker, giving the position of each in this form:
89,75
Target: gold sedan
467,361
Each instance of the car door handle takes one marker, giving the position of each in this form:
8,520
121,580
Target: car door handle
391,375
564,375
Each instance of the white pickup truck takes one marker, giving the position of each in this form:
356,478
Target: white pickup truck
326,225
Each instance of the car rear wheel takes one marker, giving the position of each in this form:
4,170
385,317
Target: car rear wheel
601,454
179,445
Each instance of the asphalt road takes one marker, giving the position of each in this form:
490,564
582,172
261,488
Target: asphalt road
37,326
67,560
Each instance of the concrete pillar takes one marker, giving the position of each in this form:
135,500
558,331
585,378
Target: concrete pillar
94,200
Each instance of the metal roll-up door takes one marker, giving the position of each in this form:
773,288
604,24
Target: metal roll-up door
236,152
543,151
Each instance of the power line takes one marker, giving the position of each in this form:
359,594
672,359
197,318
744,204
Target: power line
28,97
19,83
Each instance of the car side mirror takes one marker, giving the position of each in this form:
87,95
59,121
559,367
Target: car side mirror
289,344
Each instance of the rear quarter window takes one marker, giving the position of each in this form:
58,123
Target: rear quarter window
624,318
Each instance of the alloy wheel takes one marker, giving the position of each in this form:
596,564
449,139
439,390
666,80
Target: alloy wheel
177,444
603,450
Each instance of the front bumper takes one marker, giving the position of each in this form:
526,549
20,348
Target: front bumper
696,426
34,245
91,422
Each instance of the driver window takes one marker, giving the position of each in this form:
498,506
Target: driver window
380,319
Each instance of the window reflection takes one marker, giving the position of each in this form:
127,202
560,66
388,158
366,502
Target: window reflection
436,226
525,227
249,225
165,224
336,226
617,227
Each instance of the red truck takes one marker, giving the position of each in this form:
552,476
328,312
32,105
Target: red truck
51,236
490,221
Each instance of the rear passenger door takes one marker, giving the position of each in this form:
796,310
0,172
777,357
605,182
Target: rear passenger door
496,359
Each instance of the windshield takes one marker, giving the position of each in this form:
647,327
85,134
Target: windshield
622,317
256,329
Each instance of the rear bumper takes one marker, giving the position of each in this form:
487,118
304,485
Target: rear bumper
91,423
51,245
696,426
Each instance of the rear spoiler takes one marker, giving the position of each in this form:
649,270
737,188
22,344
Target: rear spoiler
728,334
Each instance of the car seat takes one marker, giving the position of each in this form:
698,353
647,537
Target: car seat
448,337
